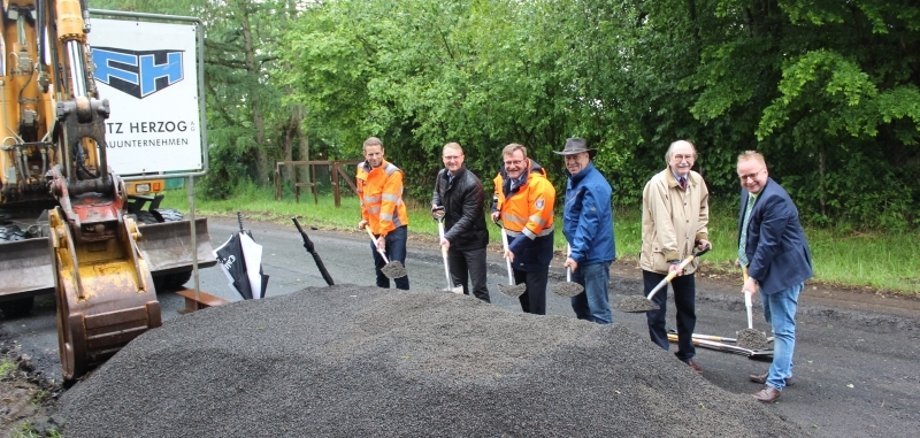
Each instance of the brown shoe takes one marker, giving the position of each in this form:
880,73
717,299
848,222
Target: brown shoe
695,366
762,379
767,395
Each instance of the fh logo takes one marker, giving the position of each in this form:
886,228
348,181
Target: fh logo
138,73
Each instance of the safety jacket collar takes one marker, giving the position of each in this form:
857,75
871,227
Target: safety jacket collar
520,181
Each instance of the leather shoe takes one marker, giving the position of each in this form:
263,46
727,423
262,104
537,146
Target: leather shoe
767,395
695,366
762,379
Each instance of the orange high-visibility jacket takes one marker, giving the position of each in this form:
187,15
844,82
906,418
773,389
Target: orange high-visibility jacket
380,190
529,209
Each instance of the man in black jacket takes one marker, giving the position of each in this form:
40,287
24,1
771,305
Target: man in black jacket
459,199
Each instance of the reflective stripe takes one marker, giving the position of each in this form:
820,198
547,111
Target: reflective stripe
390,197
514,218
537,219
372,199
529,233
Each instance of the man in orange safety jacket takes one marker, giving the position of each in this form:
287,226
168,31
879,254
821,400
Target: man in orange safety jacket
380,189
523,200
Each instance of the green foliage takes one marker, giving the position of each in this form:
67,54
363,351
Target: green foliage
827,90
7,367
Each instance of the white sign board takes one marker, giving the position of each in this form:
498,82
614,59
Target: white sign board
148,72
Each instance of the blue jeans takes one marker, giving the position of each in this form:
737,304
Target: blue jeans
593,304
396,251
779,310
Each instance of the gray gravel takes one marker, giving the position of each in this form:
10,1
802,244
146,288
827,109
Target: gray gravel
361,361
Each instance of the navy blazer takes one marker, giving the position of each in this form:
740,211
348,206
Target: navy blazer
777,250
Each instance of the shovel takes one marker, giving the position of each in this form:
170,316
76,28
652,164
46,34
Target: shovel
568,289
750,338
450,284
634,304
511,289
393,269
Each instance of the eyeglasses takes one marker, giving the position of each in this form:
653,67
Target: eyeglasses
679,158
452,157
514,162
744,178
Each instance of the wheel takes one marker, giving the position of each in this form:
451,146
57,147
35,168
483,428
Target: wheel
171,282
16,308
167,214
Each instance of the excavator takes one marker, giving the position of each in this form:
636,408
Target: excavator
68,225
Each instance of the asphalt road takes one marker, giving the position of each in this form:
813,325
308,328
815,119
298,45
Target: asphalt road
856,357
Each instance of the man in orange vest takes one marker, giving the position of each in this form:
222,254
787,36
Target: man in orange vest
523,200
380,189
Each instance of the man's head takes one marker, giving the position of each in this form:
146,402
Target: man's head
752,171
515,158
373,152
680,157
452,155
577,155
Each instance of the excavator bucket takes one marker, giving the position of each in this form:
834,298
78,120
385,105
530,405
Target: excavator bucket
167,246
25,268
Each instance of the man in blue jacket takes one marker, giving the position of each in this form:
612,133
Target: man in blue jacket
773,249
588,227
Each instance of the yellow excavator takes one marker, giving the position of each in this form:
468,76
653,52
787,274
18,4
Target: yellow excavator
68,225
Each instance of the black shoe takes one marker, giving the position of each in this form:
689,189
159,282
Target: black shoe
762,379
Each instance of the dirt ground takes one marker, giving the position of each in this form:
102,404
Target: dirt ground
27,398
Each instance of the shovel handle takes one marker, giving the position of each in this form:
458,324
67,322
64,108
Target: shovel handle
507,262
374,240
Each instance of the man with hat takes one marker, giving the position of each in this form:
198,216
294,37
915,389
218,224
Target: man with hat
675,216
588,227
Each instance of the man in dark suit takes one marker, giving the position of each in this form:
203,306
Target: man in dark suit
773,249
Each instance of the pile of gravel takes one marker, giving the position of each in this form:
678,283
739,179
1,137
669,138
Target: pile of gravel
360,361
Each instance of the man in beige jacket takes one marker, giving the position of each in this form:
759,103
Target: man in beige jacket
675,213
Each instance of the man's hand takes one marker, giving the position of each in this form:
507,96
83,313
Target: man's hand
570,263
702,244
750,285
437,212
675,267
495,215
509,255
362,224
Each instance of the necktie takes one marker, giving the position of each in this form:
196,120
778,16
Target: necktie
742,241
683,182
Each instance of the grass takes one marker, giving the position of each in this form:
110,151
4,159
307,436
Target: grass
7,366
877,261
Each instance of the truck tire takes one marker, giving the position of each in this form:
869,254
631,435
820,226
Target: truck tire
16,308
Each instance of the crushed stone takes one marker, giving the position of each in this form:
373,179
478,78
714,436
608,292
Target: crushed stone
350,360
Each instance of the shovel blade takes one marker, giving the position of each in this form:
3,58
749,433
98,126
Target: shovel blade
512,290
637,304
568,289
394,269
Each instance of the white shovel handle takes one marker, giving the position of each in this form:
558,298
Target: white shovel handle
379,251
568,270
748,305
507,262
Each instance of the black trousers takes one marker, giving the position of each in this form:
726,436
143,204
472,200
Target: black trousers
534,299
685,302
469,264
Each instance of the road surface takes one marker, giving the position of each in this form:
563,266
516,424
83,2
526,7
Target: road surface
856,359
